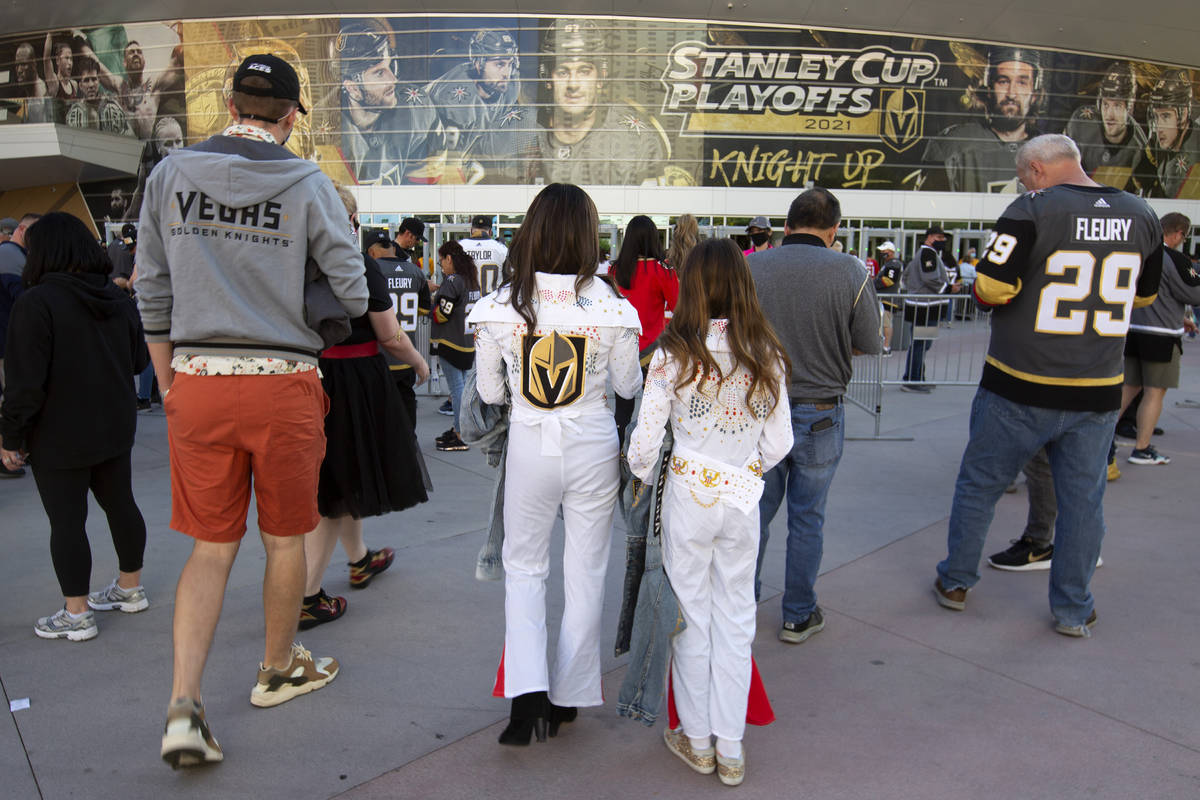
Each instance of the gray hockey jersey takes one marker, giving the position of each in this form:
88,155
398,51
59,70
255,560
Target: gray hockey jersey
1065,266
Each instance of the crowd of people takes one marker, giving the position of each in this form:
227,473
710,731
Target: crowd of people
740,359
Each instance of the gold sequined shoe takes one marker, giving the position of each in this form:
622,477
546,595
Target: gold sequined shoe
731,771
703,761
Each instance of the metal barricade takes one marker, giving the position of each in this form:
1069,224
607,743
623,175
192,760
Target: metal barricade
955,333
956,339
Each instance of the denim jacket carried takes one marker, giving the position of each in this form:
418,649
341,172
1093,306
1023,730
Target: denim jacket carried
487,426
650,614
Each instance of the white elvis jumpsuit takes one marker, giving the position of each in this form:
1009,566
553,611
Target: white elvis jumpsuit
562,450
710,524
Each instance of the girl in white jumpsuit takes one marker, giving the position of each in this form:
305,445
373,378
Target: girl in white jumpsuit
719,379
562,447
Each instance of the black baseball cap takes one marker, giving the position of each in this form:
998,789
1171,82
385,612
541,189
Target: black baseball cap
413,226
934,230
481,221
129,233
377,236
284,83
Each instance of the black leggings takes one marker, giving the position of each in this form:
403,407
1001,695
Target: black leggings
64,496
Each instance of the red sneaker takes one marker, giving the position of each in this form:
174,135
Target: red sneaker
375,562
321,610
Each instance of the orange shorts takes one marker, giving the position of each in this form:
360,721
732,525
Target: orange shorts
225,430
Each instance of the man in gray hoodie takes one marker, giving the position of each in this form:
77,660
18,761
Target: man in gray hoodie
226,227
1155,339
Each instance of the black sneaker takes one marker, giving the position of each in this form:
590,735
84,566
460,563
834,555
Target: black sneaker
143,405
797,632
446,409
1127,430
451,443
319,609
1023,556
1147,455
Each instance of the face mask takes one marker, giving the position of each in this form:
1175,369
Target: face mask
759,239
936,245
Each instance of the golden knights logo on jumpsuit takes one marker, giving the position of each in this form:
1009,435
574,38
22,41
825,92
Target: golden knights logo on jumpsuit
552,376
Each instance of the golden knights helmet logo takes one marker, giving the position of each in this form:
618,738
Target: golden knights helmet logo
552,375
903,117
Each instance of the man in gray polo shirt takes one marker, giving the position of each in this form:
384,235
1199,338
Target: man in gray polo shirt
823,307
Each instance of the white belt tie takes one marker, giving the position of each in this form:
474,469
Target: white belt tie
552,423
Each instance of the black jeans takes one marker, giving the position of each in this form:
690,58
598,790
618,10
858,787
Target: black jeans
64,496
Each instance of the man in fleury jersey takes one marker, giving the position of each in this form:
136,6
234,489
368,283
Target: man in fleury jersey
410,301
1064,268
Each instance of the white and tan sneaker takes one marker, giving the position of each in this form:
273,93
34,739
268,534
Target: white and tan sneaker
303,675
187,741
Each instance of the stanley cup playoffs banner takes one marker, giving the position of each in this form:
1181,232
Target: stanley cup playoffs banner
492,100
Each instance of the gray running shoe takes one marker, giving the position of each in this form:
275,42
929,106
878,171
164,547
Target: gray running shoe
59,625
114,598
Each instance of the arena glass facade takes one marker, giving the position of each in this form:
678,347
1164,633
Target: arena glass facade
449,116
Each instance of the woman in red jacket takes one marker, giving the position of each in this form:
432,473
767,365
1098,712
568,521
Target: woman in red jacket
651,286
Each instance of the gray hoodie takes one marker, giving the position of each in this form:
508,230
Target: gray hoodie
225,229
1179,288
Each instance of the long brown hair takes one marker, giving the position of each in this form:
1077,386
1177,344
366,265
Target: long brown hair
464,265
715,283
683,239
560,235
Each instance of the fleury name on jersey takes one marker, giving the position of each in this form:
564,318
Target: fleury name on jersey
1102,229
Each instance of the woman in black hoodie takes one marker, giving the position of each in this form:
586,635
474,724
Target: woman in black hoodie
75,343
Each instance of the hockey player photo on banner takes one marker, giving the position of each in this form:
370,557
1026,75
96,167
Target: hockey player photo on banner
474,100
124,80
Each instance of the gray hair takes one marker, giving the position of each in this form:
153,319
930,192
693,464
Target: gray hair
1047,148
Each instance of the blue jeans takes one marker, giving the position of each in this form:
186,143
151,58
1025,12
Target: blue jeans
914,367
1004,437
455,378
146,382
804,475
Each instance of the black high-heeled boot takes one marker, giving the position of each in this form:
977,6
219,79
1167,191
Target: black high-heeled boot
527,718
559,715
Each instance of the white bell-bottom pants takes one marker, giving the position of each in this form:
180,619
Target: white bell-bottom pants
583,479
709,553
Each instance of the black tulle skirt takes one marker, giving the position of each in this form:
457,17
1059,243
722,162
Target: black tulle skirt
372,463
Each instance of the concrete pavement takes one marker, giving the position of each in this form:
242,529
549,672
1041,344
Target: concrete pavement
896,698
